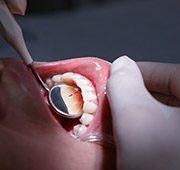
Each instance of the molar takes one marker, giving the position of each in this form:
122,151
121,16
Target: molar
89,107
81,82
86,88
89,96
79,130
86,118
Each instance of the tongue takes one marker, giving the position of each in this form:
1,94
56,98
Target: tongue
97,71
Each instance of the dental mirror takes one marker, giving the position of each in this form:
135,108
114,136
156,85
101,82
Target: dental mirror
12,33
58,99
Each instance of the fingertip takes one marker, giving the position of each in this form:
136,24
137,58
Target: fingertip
121,63
17,6
121,59
125,76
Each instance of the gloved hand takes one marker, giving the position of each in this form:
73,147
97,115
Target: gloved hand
145,123
15,6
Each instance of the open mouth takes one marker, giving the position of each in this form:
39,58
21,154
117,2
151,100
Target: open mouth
86,98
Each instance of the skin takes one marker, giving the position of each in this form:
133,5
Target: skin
30,136
144,99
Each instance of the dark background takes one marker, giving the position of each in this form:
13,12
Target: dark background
146,30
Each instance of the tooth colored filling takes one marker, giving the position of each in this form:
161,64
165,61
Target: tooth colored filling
80,99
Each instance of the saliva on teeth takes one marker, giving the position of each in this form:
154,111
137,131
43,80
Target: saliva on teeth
82,102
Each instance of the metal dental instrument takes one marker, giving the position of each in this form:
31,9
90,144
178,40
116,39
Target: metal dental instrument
12,33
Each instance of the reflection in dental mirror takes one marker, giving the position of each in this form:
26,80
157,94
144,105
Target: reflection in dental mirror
66,99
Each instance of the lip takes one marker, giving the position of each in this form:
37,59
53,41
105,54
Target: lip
97,71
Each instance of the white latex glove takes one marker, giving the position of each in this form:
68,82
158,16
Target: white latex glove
146,131
16,6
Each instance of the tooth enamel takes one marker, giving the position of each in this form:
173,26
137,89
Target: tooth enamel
88,96
67,78
57,78
89,107
78,76
86,118
87,93
79,130
82,82
86,88
68,75
49,83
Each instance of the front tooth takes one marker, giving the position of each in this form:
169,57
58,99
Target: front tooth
79,130
49,83
57,78
86,118
88,96
89,107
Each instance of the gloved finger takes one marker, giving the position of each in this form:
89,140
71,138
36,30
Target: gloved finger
141,124
17,6
125,85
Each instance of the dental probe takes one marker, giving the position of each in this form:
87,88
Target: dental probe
12,33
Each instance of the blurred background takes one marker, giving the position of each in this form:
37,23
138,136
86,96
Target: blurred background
147,30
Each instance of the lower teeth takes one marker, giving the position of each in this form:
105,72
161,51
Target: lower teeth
79,130
86,118
88,107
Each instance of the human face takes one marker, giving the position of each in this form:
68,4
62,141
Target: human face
32,136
